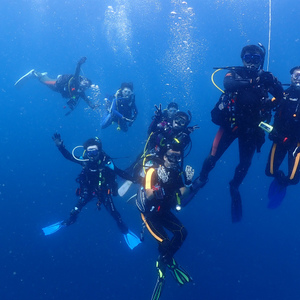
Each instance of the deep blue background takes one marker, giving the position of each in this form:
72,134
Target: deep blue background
167,49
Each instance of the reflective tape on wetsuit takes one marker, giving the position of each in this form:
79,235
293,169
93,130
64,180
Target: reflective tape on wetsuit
295,164
150,230
148,178
272,159
217,141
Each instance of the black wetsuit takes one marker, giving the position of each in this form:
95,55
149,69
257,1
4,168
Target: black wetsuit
119,110
286,137
239,111
157,144
162,117
157,214
247,105
97,180
68,86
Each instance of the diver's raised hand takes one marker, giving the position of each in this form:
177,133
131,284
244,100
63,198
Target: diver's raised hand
57,139
82,60
188,175
158,112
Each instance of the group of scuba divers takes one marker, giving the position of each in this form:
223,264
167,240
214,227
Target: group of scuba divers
244,112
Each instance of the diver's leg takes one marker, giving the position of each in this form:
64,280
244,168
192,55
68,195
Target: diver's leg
154,225
247,147
222,141
293,166
109,205
169,247
107,120
45,79
276,157
84,197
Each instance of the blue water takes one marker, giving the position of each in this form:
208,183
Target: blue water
167,49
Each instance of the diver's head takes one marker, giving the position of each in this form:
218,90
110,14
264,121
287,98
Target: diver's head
295,76
84,83
93,149
126,89
172,158
172,109
181,120
253,57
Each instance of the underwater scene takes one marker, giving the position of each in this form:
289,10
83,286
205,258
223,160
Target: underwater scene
68,69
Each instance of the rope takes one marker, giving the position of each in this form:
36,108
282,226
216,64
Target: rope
269,42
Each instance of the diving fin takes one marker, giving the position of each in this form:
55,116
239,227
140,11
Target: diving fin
236,204
24,78
158,288
179,274
161,270
123,189
131,239
53,228
276,194
196,186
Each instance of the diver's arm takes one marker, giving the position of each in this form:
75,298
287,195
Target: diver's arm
134,108
77,71
87,100
59,143
276,90
153,125
68,155
123,174
233,82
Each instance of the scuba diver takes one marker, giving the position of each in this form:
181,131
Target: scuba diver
162,190
285,135
69,86
121,108
166,115
240,109
161,138
166,133
96,180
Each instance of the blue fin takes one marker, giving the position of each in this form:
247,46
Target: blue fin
53,228
276,194
131,239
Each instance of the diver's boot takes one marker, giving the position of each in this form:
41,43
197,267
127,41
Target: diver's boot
38,74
